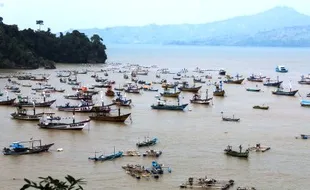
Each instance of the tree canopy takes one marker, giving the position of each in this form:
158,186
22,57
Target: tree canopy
31,49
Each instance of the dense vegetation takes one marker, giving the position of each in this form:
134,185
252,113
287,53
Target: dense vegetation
49,183
31,49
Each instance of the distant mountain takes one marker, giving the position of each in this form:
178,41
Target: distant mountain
275,27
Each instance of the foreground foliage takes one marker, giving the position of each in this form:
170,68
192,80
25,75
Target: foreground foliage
49,183
31,49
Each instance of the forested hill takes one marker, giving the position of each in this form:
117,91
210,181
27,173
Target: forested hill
29,49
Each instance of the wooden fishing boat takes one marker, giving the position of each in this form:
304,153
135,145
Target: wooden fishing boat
79,96
152,153
7,102
187,88
121,100
161,105
308,95
51,122
261,107
150,89
207,183
110,92
219,89
280,91
230,118
132,90
24,102
198,80
168,85
275,83
304,80
107,157
254,78
253,89
259,148
64,74
99,116
240,154
198,100
147,142
131,153
18,148
82,107
22,114
231,80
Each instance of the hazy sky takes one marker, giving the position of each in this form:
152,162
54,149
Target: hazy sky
61,15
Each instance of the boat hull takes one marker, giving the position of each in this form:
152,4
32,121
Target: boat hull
172,95
283,93
219,93
35,150
64,126
121,118
237,154
35,117
169,107
239,81
193,89
7,102
30,104
274,84
253,90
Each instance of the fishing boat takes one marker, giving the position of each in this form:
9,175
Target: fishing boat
126,76
83,106
110,92
100,116
232,80
261,107
79,96
305,103
304,80
222,72
176,78
275,83
303,136
24,102
280,91
169,85
230,118
131,153
259,148
253,89
254,78
7,101
147,142
198,100
21,114
64,74
281,69
121,100
161,105
18,148
240,154
168,93
219,89
52,122
152,153
132,89
107,157
308,95
63,80
150,89
207,183
198,80
186,88
26,85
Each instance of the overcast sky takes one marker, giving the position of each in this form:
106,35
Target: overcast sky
61,15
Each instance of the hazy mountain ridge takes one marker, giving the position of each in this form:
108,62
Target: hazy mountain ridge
280,26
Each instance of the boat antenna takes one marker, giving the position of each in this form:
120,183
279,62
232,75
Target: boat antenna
290,86
222,114
44,97
101,96
114,150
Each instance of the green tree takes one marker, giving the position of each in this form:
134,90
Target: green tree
49,183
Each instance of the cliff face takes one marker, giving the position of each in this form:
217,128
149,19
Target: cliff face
29,49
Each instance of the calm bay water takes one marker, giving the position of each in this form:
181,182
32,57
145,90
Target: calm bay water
192,141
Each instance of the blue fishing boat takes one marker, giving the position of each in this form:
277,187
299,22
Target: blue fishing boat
121,100
281,69
305,103
147,142
303,136
108,157
161,105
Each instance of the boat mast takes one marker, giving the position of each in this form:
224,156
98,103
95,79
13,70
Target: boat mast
73,117
34,108
119,111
